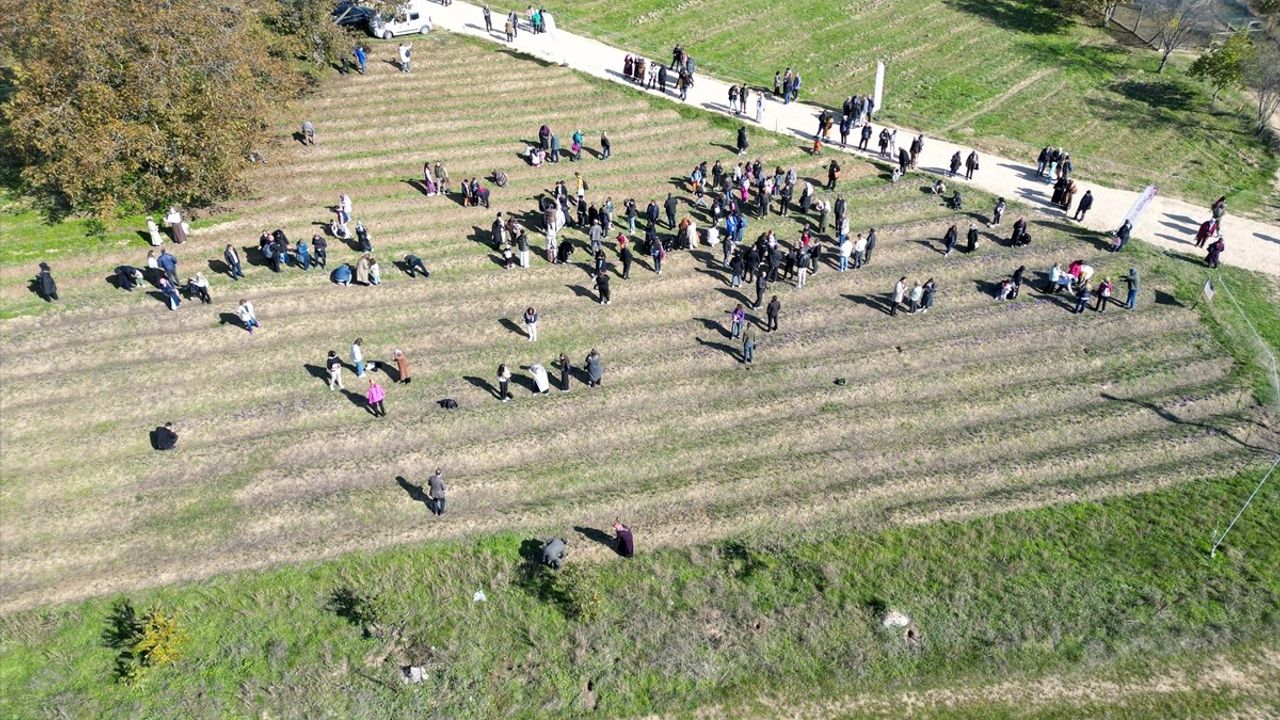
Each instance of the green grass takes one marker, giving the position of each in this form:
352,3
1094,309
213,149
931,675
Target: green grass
1009,76
1119,589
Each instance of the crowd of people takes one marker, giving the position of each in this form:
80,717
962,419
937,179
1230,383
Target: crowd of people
728,194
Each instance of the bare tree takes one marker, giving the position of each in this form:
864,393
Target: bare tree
1263,76
1175,21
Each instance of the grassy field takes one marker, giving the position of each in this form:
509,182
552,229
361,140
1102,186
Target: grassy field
947,419
1008,76
1097,610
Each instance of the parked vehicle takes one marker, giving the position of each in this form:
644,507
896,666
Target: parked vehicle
409,17
352,15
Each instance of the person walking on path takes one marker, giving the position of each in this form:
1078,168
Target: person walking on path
232,259
749,345
899,292
565,370
435,486
531,323
595,368
402,367
488,20
357,356
1086,202
504,383
971,165
334,366
759,109
955,164
374,398
771,312
248,316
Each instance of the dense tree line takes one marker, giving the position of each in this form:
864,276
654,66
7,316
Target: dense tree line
120,105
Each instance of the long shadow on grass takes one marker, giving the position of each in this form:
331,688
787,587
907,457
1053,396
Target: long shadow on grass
317,372
416,493
875,302
483,384
713,326
1016,15
595,535
1170,417
726,349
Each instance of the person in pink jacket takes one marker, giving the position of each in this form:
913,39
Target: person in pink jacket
375,396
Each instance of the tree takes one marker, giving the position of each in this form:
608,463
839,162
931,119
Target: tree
1105,9
134,104
1262,74
1223,66
1175,21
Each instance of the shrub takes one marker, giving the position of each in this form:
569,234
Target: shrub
153,640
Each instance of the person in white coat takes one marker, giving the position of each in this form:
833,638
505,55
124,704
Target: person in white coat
153,231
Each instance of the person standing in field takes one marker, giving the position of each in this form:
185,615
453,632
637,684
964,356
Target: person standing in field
749,345
248,316
917,293
357,356
402,367
435,486
1131,280
737,318
504,383
170,293
742,140
930,289
997,212
899,292
531,323
624,541
771,313
565,369
335,370
1082,299
374,398
232,259
595,368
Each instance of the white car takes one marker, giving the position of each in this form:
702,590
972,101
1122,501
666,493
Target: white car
410,17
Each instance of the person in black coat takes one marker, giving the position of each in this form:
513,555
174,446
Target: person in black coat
164,437
670,206
624,254
45,286
949,240
955,164
565,369
973,238
762,284
742,140
771,314
1019,227
1086,202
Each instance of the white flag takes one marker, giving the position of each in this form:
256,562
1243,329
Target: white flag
878,96
1208,290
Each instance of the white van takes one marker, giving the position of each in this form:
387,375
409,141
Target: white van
409,17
